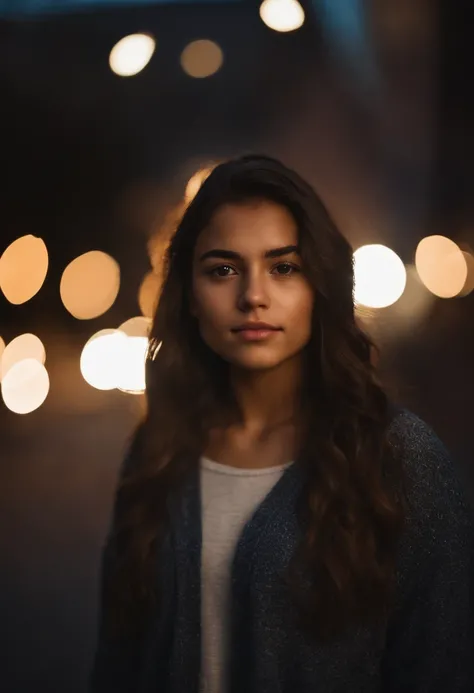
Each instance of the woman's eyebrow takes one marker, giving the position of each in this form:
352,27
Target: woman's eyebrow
221,253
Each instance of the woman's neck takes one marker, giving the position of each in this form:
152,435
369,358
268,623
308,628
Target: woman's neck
270,427
268,399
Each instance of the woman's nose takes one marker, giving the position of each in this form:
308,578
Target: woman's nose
254,292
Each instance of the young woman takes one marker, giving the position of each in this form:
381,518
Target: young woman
278,525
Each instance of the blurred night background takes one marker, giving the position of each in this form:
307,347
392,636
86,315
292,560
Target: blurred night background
371,100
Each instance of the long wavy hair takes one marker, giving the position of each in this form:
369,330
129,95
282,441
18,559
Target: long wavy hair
351,510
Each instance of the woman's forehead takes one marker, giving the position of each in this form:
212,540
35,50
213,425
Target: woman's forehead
249,226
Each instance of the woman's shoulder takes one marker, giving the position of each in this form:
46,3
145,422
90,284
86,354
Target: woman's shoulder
436,491
416,442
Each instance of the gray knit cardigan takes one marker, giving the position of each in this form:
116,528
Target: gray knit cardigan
427,647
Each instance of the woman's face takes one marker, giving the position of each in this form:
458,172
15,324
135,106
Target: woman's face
250,296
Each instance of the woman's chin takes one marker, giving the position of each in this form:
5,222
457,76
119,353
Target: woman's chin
256,361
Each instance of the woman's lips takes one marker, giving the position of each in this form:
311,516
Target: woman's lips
256,334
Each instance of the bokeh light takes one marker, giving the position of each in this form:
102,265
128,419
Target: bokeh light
149,293
131,378
282,15
131,54
441,266
132,374
136,327
25,346
102,358
195,182
23,268
201,58
469,283
25,386
379,276
90,284
116,358
2,347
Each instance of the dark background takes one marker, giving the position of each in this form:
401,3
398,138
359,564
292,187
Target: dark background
376,111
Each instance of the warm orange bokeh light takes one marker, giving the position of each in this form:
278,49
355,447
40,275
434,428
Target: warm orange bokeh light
23,269
25,346
469,283
441,266
136,327
195,182
149,293
201,58
25,386
132,373
90,284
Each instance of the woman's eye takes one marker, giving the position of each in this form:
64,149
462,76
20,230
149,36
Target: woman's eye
285,268
222,271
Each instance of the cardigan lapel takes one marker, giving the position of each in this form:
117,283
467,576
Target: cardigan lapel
186,537
277,508
273,522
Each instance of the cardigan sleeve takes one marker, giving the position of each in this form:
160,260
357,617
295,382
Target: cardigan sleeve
430,641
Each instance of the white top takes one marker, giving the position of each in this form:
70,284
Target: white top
229,497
